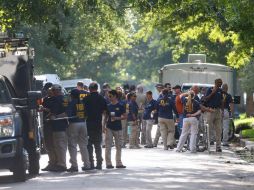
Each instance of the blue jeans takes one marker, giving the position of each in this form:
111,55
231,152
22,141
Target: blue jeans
180,124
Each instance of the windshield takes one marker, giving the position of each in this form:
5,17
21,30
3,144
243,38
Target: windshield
4,94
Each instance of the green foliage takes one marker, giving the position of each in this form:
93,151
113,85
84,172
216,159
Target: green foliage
248,133
248,76
130,40
245,121
210,27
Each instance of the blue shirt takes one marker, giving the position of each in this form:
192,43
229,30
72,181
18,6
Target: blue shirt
149,107
118,110
197,98
76,109
216,100
195,107
227,99
166,107
57,106
133,110
123,103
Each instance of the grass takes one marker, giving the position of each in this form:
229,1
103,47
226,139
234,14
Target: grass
251,139
248,133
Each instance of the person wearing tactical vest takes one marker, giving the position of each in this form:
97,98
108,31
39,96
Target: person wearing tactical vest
82,92
59,125
77,132
214,102
165,108
227,113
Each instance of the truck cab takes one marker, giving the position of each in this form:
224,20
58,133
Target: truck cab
19,129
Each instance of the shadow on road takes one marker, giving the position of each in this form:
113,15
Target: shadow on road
8,179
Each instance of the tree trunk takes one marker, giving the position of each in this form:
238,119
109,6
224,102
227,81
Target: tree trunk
249,105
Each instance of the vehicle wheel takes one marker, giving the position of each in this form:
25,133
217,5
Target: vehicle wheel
34,163
21,165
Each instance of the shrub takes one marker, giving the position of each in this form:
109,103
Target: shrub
243,123
248,133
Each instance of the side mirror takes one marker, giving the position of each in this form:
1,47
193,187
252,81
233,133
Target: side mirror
237,99
32,99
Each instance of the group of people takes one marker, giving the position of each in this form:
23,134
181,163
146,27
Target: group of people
123,116
80,119
192,110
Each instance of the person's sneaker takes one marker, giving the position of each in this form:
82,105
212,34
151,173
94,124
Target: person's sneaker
225,144
48,168
155,145
109,167
98,167
218,149
148,146
170,147
86,168
58,168
201,149
72,169
121,166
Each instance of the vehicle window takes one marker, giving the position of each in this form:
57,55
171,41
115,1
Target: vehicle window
185,88
4,94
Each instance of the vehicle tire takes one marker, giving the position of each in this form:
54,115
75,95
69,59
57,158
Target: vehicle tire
34,163
20,167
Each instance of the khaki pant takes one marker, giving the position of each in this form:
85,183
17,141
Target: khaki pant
117,135
148,127
60,144
190,125
77,135
133,142
214,122
124,132
225,125
141,128
48,139
167,129
157,136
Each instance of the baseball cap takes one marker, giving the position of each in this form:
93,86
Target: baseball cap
56,87
159,85
105,85
177,87
47,86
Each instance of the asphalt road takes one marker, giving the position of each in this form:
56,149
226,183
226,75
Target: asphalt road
149,169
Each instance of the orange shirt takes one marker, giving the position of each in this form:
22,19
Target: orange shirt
179,105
